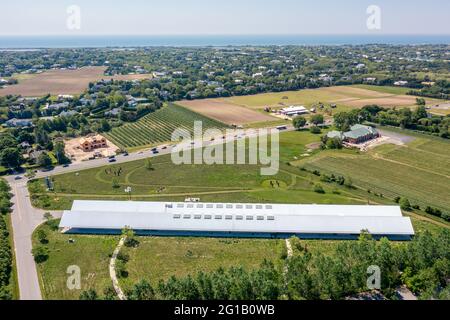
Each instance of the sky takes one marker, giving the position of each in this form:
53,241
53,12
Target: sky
210,17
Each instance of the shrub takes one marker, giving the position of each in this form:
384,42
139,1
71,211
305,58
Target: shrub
319,189
404,204
42,236
315,130
40,254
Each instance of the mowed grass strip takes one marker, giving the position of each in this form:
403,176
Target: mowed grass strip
159,258
157,127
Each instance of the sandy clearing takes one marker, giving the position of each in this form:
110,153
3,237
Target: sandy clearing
225,112
63,82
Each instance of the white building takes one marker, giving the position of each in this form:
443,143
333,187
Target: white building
293,111
236,220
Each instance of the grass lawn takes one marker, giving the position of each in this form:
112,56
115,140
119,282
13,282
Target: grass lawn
90,253
158,258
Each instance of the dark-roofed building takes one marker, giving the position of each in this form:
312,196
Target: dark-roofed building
358,134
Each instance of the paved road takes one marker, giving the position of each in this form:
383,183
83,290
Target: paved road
25,218
147,154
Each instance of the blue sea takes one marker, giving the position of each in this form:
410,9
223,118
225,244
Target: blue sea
35,42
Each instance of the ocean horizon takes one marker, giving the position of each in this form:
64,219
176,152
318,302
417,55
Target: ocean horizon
123,41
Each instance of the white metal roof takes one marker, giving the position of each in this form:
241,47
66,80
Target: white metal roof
225,217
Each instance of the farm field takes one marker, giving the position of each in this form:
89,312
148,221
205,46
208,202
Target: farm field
344,96
418,171
57,82
157,127
225,112
158,258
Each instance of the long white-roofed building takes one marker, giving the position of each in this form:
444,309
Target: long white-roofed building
237,220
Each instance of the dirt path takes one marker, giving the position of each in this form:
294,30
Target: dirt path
112,270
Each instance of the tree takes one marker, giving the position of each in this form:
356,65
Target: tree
60,153
334,143
105,126
115,183
344,120
299,122
420,101
40,254
90,294
11,158
420,113
317,119
42,236
44,160
149,165
41,136
405,204
131,240
319,189
142,291
315,130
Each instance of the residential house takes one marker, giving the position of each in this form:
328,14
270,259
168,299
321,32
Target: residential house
91,143
18,123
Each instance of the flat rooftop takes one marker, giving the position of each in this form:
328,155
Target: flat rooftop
237,218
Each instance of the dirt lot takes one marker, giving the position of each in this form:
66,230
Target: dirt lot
62,82
226,112
77,155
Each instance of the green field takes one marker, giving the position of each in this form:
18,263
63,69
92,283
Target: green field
419,171
340,95
157,127
209,182
159,258
90,253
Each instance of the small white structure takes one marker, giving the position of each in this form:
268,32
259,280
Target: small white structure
237,220
293,111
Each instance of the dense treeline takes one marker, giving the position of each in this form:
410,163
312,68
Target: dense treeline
405,118
440,90
5,247
423,265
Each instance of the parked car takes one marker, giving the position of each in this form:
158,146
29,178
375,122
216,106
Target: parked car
112,160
